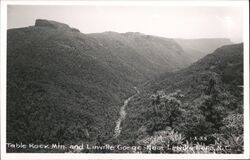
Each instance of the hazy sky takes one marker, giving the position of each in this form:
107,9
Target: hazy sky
165,21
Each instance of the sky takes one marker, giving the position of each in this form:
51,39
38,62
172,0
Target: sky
165,21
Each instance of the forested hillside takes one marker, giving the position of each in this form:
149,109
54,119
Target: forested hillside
203,100
62,85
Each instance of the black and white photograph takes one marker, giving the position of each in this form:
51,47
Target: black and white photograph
114,79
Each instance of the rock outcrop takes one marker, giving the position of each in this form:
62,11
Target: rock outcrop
54,24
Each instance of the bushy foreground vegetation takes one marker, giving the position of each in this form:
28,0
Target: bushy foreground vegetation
179,128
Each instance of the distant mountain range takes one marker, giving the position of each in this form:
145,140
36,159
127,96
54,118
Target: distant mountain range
63,85
198,48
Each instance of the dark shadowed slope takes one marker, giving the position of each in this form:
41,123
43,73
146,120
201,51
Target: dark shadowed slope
62,85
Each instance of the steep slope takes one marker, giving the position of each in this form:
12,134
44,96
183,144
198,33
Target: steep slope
196,101
62,85
149,55
198,48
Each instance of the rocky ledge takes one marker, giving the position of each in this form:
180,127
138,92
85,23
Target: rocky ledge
55,25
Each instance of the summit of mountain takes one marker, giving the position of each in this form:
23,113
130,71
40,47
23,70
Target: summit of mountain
54,24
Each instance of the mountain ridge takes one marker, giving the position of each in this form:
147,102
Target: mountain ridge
200,47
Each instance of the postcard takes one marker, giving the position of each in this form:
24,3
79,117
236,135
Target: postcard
124,80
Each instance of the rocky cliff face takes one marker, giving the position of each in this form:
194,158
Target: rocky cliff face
54,24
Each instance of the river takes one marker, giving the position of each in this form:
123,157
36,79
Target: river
122,117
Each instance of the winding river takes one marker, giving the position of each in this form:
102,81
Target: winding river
118,128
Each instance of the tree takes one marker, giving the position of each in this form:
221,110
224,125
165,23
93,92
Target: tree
165,111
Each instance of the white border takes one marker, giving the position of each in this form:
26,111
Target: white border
28,156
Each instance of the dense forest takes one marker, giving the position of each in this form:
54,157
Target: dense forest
201,105
68,87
